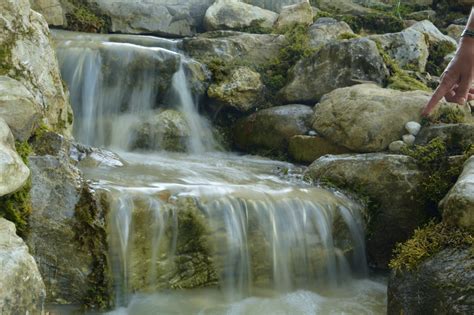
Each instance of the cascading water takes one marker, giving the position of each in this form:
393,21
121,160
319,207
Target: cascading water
242,238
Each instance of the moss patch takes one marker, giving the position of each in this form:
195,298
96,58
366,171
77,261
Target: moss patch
426,242
16,207
446,115
436,57
85,18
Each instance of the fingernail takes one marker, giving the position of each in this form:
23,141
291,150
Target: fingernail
462,101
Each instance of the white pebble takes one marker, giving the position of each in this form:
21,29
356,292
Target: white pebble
312,133
413,127
396,146
409,139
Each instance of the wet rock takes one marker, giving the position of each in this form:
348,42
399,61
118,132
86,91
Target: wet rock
255,49
242,90
396,146
458,205
442,284
377,176
325,30
160,17
296,14
67,234
18,108
365,117
236,15
51,10
13,172
408,48
413,127
456,136
306,149
335,65
21,287
271,129
28,56
168,130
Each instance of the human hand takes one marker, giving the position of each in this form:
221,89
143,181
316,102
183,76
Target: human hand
457,79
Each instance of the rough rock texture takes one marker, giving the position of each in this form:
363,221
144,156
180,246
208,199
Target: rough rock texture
335,65
67,235
21,287
456,136
342,7
408,48
442,284
458,205
455,31
273,5
306,149
236,15
241,90
253,48
327,29
168,130
26,55
390,181
161,17
18,108
432,32
13,172
365,117
296,14
51,10
271,129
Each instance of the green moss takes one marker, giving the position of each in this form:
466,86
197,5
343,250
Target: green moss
436,57
440,174
85,18
347,36
16,207
447,115
377,22
399,79
426,242
256,27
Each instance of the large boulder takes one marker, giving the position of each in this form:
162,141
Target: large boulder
18,108
308,148
52,11
237,15
67,235
167,130
256,49
408,48
437,41
13,172
365,117
21,287
160,17
442,284
325,30
336,65
242,90
458,205
271,129
296,14
390,183
272,5
27,56
343,7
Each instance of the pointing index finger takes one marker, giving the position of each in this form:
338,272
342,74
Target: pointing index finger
438,94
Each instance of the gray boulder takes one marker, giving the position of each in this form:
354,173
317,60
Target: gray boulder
458,205
28,56
442,284
307,149
21,287
390,182
335,65
365,117
271,129
18,108
237,15
325,30
51,10
272,5
13,172
296,14
433,34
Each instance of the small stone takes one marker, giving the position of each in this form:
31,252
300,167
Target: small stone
409,139
312,133
396,146
413,127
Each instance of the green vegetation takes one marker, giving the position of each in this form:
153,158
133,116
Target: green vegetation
426,242
16,207
440,173
347,36
436,57
85,19
446,115
399,79
256,27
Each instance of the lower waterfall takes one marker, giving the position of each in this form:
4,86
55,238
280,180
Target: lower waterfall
202,231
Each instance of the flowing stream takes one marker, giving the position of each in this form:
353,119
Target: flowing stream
204,231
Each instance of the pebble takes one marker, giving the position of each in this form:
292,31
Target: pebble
396,146
413,127
409,139
312,133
